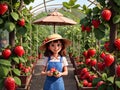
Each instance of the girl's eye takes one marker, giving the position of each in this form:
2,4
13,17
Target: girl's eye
52,45
58,45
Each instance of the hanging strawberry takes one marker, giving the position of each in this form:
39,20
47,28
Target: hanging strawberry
6,53
21,22
109,59
118,70
117,43
95,23
9,83
91,52
19,51
3,8
106,14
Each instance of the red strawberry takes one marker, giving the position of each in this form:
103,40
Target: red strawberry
102,55
21,22
87,61
89,84
6,53
106,14
9,83
100,83
93,62
109,59
118,70
101,66
91,52
96,23
19,51
52,70
85,53
3,8
88,28
83,28
117,43
106,45
85,83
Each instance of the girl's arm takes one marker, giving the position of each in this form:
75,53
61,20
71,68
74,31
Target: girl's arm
65,71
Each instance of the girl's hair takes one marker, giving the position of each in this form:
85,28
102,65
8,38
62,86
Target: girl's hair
48,52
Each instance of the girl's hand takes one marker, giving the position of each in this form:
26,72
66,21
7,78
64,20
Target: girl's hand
58,75
49,73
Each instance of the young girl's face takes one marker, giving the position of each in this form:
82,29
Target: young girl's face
55,47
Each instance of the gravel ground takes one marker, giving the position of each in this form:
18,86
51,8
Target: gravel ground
38,80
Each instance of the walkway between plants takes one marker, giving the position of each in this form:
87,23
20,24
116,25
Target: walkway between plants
38,80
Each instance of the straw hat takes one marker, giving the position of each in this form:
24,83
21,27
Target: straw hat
52,38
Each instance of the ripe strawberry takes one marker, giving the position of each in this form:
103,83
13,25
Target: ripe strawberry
118,70
117,43
52,70
100,83
101,66
19,51
102,55
109,59
91,52
85,53
3,8
83,28
83,71
93,62
88,28
95,23
87,61
89,84
6,53
106,45
9,83
106,14
21,22
85,83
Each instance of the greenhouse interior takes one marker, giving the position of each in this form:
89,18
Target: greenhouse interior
59,45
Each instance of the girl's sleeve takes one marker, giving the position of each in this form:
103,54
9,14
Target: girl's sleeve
44,61
65,62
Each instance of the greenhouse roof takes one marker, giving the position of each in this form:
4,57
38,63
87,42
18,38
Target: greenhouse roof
39,6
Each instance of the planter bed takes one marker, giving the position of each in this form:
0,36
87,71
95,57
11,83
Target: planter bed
82,88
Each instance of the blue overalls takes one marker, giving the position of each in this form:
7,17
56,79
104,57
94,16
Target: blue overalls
53,83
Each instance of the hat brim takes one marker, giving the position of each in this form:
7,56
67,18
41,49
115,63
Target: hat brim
67,43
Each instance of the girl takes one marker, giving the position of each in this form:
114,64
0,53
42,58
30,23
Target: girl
55,63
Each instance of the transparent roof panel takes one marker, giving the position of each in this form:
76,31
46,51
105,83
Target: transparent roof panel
41,6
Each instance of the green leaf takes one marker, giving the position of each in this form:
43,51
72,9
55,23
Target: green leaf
1,21
104,76
9,26
5,62
76,6
117,2
1,83
17,81
21,59
16,59
72,2
116,19
95,81
17,71
65,4
99,34
111,79
110,87
102,87
15,16
4,71
22,30
117,83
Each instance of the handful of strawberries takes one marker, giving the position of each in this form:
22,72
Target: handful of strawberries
54,71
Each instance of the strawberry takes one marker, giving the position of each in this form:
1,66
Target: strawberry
83,28
93,62
19,51
102,55
87,61
100,83
106,45
106,14
95,23
6,53
85,83
21,22
3,8
117,43
54,71
89,84
109,59
91,52
88,28
9,83
118,70
85,53
100,66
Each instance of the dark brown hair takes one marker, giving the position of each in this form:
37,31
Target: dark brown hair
48,52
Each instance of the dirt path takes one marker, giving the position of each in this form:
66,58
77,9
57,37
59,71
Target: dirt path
38,80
